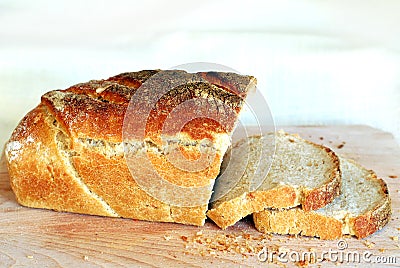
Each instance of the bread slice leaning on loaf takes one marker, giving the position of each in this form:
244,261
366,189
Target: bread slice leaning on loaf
68,154
362,208
301,173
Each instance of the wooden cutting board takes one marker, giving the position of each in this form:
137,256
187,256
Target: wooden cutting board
42,238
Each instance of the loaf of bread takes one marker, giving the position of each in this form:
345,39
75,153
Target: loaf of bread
362,208
77,151
299,172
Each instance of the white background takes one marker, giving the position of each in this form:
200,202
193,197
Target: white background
317,62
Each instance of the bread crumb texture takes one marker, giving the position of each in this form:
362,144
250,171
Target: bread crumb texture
362,208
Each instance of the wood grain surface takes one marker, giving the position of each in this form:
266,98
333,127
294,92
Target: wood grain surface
43,238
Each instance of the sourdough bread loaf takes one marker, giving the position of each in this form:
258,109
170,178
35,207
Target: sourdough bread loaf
301,173
69,153
362,208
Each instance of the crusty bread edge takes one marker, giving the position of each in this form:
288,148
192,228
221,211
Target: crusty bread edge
229,212
325,194
270,221
360,226
375,219
38,120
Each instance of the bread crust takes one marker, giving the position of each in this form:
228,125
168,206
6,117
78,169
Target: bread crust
70,171
312,223
323,195
39,176
375,219
227,213
296,221
96,109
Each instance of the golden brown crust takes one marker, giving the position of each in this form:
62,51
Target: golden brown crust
189,215
133,79
66,174
229,212
85,117
230,82
96,109
312,223
320,197
110,178
296,221
379,216
39,176
226,213
181,177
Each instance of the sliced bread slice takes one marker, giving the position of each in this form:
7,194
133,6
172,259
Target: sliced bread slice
301,173
362,208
